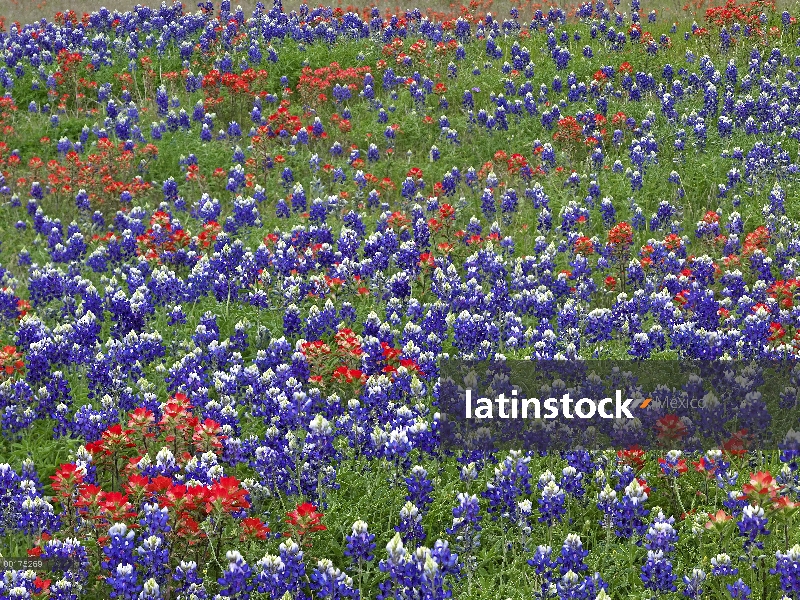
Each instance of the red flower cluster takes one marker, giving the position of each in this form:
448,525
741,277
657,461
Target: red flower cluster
393,48
281,120
119,486
634,456
209,234
185,434
756,240
516,163
568,130
235,83
10,362
339,365
313,83
746,13
583,245
161,237
302,521
784,291
103,174
670,429
621,235
393,361
67,61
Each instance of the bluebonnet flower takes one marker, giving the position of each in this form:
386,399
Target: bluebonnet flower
64,146
162,100
298,197
120,547
721,566
189,582
394,566
35,514
551,504
735,502
466,527
124,582
422,572
657,572
410,526
787,566
752,524
570,585
572,482
606,501
419,488
572,555
64,589
662,535
739,590
777,198
235,581
329,582
693,584
82,200
234,130
153,557
628,511
542,561
360,544
270,577
150,590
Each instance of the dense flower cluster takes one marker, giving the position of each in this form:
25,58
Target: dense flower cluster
238,249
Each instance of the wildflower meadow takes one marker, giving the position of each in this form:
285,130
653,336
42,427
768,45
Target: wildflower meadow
236,247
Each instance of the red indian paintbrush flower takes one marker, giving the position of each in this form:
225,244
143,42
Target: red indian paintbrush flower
762,486
621,235
634,456
670,428
718,519
304,519
10,361
253,528
67,478
225,495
